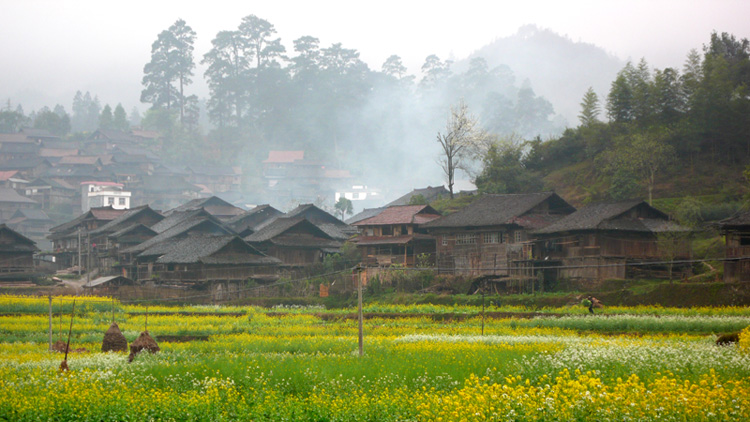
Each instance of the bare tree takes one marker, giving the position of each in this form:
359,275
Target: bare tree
460,141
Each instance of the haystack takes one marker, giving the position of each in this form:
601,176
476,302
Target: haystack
59,346
143,342
114,341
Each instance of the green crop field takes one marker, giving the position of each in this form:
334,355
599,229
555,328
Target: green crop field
420,363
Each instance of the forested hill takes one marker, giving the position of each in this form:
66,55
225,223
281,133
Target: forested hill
560,69
679,135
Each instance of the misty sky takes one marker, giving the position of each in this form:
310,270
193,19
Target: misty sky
51,48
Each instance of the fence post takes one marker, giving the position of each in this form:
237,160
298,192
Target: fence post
50,322
359,309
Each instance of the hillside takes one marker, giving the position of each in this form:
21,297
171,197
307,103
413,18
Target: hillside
559,68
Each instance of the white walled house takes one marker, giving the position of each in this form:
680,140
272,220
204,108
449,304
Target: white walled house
104,194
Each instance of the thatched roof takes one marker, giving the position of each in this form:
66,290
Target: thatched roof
632,215
496,210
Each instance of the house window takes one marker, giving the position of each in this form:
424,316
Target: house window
518,236
387,231
466,239
445,240
110,200
121,201
744,240
494,237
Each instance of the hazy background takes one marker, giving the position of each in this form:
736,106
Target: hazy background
50,49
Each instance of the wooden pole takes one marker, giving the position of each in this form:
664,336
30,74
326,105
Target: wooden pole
145,327
64,365
359,309
50,322
483,286
113,310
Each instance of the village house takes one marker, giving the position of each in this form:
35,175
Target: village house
736,232
95,194
163,191
69,239
51,193
138,261
395,236
216,179
486,236
600,241
106,240
222,264
11,201
34,224
295,241
16,254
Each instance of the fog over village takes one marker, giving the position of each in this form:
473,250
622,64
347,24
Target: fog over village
381,211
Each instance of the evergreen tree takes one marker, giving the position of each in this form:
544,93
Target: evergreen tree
120,119
106,120
589,108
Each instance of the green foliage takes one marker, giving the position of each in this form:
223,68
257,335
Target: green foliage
417,200
58,123
344,206
504,172
589,108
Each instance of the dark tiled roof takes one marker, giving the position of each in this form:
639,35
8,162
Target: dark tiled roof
738,220
206,250
493,210
31,214
280,225
127,230
610,216
429,193
9,195
214,205
401,214
124,219
253,218
201,224
334,227
22,243
178,217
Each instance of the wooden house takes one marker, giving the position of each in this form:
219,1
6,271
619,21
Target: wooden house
138,260
736,232
34,224
11,201
105,247
296,241
16,253
216,178
486,236
69,239
395,236
222,264
51,192
601,241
